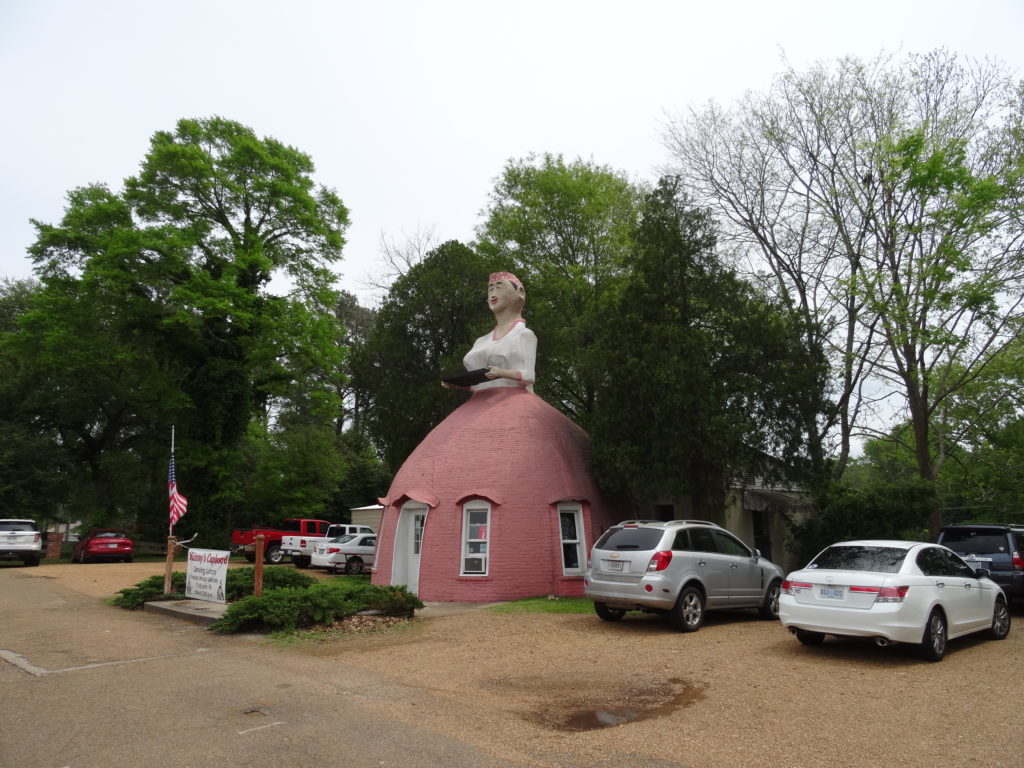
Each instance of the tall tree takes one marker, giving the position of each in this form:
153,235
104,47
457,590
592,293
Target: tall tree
884,201
704,377
427,323
564,228
166,289
35,472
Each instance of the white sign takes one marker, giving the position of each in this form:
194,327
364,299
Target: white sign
206,575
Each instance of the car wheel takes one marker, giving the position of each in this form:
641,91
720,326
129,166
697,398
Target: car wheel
770,607
273,555
608,614
933,643
32,561
301,561
1000,621
129,559
688,613
354,567
249,556
810,638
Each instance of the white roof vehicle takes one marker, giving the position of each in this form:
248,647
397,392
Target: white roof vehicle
894,592
353,552
20,540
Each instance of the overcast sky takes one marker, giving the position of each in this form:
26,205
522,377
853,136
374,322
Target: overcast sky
409,109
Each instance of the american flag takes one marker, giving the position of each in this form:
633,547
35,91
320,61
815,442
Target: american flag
178,502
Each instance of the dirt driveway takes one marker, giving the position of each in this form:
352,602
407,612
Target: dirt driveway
539,690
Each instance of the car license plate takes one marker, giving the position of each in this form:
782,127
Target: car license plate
112,546
613,565
831,593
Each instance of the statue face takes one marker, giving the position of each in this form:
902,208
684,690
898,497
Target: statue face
502,294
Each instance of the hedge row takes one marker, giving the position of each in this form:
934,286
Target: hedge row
290,600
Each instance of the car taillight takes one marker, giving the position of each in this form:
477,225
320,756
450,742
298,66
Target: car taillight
660,561
884,594
37,537
302,543
333,550
792,587
1018,562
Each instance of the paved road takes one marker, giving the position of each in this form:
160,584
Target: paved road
83,685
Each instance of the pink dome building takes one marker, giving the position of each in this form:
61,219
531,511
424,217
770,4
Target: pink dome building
496,503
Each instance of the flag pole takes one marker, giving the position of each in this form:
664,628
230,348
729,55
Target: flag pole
170,527
169,564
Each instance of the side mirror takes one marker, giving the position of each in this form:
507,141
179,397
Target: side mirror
983,573
757,555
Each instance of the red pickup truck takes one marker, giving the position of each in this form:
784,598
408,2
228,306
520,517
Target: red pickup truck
246,537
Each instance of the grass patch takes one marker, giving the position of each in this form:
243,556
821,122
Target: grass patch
545,604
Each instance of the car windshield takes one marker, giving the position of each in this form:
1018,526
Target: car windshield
343,539
973,542
17,525
622,539
860,558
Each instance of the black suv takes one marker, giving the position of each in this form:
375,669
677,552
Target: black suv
999,548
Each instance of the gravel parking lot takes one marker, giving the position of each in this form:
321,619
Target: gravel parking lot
541,689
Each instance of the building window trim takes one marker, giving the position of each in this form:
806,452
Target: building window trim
571,539
475,558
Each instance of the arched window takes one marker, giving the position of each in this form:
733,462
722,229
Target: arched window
476,531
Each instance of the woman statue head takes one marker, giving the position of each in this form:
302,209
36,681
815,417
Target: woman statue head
505,295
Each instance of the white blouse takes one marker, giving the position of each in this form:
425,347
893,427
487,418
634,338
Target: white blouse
515,351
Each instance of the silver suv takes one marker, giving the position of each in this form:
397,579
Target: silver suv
20,540
679,568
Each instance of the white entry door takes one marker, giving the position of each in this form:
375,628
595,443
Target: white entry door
408,546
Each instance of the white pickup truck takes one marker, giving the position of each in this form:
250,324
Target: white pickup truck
300,547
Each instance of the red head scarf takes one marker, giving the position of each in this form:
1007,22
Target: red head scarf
505,276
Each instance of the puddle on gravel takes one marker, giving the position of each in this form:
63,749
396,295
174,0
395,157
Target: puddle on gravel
622,706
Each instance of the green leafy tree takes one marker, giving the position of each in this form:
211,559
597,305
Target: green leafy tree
35,477
704,377
565,229
883,200
157,310
428,322
982,431
358,322
880,509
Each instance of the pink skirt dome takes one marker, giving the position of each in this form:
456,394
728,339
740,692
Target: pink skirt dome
507,448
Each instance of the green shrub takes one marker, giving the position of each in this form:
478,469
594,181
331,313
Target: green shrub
238,584
289,608
151,589
887,509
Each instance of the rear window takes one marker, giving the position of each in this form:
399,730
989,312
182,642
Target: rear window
111,535
18,525
860,558
970,542
622,539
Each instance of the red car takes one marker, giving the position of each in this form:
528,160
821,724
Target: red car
108,543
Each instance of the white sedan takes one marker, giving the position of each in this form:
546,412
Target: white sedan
894,592
353,552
